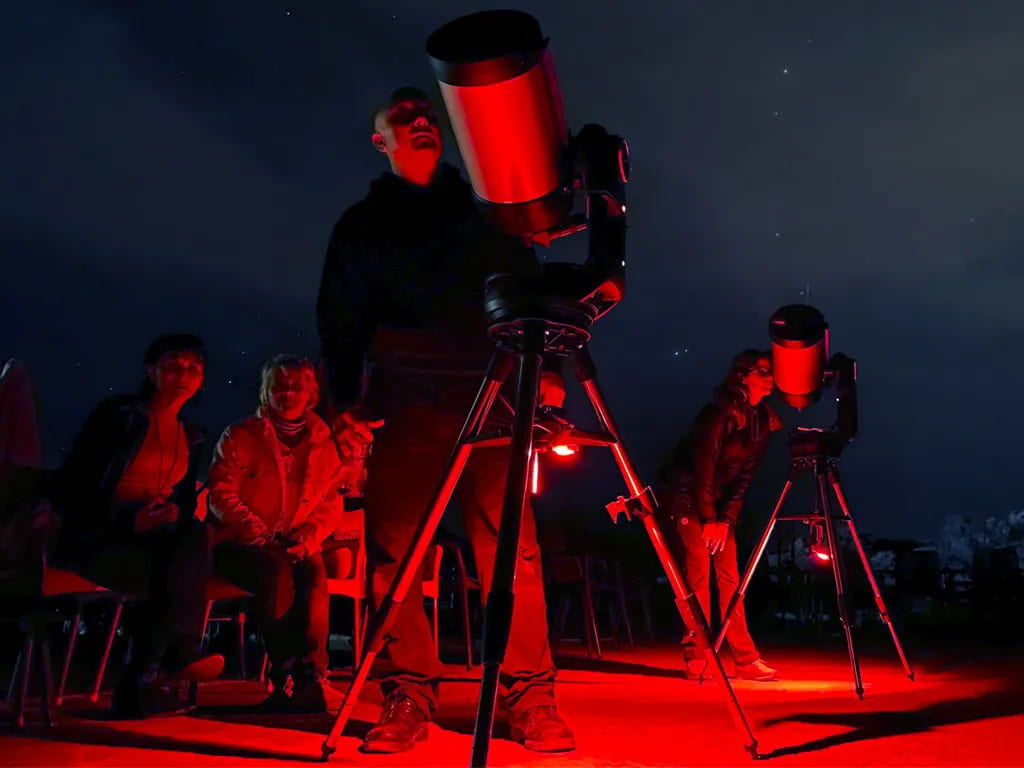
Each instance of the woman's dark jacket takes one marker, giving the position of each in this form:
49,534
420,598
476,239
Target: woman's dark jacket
84,485
710,470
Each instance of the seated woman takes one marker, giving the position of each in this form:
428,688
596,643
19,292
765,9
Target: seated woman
274,499
705,481
127,492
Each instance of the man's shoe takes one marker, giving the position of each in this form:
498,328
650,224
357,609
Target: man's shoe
541,730
757,671
401,725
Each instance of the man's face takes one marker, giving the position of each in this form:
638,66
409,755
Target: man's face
409,133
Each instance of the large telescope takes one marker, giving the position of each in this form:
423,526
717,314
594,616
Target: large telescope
497,78
802,368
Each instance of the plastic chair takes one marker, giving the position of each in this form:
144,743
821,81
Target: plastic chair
28,595
462,585
345,560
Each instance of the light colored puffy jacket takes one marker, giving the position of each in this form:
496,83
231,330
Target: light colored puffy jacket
247,481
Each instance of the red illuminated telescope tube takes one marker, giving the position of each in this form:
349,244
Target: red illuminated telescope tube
799,337
497,79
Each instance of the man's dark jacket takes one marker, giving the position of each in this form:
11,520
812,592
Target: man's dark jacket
84,486
709,471
403,289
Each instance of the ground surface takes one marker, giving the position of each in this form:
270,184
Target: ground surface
631,708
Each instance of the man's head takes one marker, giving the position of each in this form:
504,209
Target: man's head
408,131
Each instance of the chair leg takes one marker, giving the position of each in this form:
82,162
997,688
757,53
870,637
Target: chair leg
12,687
623,607
437,629
49,709
357,632
240,626
193,686
646,609
67,654
589,618
27,657
115,621
465,624
563,615
267,683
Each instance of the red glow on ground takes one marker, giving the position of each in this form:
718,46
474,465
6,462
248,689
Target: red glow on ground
630,708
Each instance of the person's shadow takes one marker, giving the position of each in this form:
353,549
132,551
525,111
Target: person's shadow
872,725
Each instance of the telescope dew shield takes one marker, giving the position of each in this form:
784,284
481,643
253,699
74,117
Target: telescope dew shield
497,79
799,336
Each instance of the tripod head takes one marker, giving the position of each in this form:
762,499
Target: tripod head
497,78
802,369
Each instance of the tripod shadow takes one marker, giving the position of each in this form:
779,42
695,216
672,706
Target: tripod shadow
463,719
865,726
584,664
96,732
319,723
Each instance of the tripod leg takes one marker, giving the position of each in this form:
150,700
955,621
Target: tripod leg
498,610
837,573
686,600
755,558
412,562
883,613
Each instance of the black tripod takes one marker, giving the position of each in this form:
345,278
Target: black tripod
526,330
818,451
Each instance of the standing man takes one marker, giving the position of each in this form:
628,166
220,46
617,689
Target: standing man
403,290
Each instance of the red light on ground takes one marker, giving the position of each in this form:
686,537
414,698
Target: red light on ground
564,450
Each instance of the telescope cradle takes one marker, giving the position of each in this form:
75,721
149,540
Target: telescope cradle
528,328
819,451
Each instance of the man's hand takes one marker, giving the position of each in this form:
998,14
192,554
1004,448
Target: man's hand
715,534
552,389
302,543
353,431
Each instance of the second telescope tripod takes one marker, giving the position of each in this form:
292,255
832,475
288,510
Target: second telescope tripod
525,335
818,452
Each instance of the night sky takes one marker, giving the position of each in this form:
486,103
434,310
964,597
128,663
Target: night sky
179,166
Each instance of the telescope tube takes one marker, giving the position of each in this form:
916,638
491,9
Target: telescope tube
799,336
497,79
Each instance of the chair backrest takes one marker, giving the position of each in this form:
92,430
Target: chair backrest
563,568
432,572
19,426
202,500
345,556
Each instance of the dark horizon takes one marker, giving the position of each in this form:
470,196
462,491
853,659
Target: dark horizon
180,167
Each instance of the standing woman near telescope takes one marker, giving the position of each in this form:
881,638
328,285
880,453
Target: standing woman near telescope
704,482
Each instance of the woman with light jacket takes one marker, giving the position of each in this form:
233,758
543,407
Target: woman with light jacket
274,499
